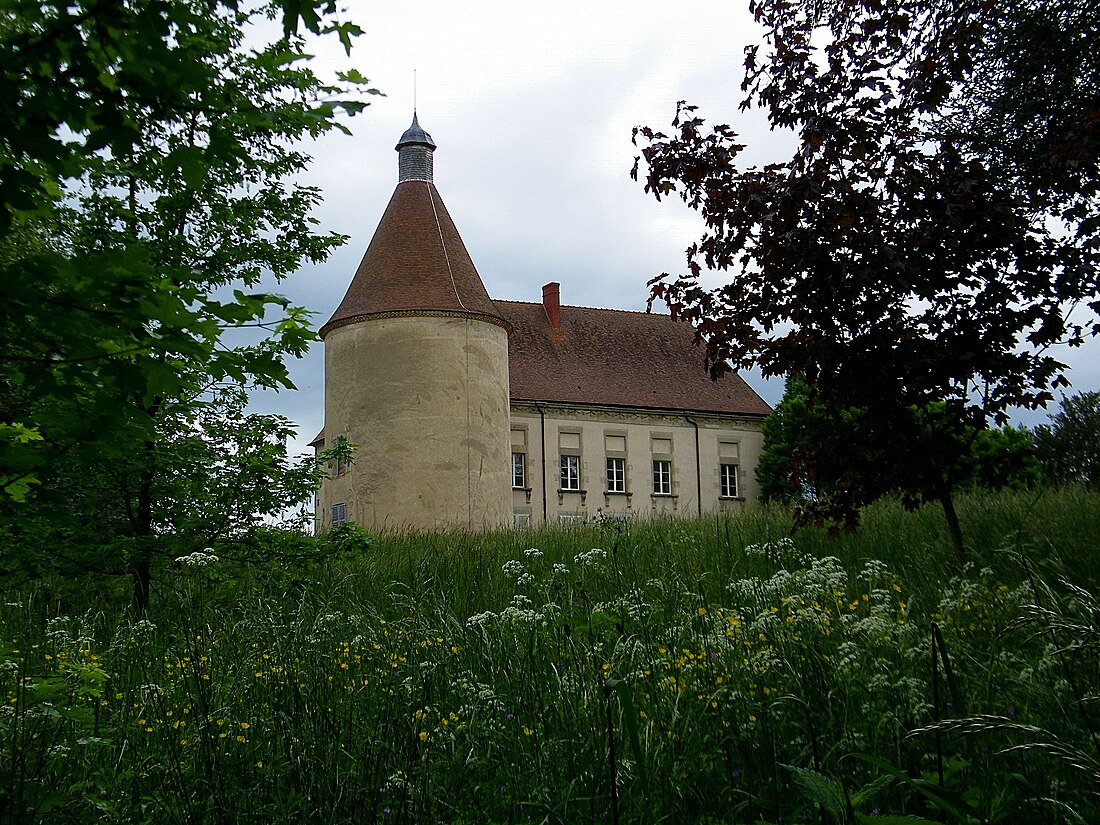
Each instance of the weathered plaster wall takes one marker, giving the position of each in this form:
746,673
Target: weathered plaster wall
646,436
425,398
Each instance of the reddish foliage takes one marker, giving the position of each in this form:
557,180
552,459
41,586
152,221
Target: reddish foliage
887,262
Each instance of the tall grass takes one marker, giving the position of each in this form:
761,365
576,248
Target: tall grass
713,670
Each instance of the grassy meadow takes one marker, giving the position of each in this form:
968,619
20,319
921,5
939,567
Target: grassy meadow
717,670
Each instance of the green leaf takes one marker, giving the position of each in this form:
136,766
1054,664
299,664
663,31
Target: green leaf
869,790
819,789
20,433
18,488
893,819
189,161
950,803
353,76
630,720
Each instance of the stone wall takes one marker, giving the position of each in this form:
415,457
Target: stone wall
425,399
544,433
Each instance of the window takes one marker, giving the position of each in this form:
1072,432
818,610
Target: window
521,521
338,466
570,472
727,479
519,471
662,478
570,518
616,475
339,513
661,447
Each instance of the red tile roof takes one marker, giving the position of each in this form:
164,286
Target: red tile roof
616,358
416,261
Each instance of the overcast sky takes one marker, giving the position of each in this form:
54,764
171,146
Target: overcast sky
531,106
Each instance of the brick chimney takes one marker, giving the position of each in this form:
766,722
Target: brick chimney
551,302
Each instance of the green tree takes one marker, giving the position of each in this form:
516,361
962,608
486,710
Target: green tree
817,455
215,480
1001,458
79,76
789,433
153,145
888,265
813,453
1069,446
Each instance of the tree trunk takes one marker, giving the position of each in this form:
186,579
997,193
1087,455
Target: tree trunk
952,521
140,575
141,571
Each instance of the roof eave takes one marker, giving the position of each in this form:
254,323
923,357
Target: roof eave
679,411
336,323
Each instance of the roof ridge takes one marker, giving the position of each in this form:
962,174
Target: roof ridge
593,309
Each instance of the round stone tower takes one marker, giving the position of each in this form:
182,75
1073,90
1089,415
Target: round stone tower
416,373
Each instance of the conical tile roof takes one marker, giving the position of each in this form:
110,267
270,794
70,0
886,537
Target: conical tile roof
416,262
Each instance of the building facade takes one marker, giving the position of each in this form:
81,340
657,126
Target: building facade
476,414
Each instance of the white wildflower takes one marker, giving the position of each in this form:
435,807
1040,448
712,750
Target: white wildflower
586,558
56,628
200,558
397,780
142,627
520,611
481,619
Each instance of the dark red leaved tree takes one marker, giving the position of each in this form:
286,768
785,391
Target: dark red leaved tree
885,263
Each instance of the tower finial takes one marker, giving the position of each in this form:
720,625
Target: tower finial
414,158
